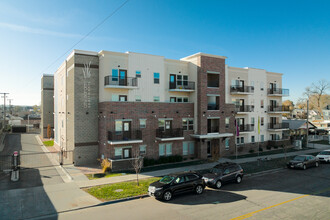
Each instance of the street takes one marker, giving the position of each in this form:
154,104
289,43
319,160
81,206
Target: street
288,194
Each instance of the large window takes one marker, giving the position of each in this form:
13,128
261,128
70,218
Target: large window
213,80
156,78
114,74
143,123
165,149
188,124
119,127
143,149
188,148
252,139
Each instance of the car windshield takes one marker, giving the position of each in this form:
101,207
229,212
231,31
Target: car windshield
324,153
166,179
215,171
299,158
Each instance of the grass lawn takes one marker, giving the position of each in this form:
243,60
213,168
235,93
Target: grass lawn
49,143
121,190
103,175
320,142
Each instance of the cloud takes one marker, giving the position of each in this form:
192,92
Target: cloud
26,29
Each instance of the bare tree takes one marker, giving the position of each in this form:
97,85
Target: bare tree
137,163
317,94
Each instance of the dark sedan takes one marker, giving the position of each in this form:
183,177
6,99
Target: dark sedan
303,162
177,183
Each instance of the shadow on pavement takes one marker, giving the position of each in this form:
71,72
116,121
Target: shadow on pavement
209,196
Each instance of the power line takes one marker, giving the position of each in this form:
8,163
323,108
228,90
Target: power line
86,35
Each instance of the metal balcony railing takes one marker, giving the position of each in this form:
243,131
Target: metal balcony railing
282,125
117,81
213,129
212,107
246,127
169,133
279,108
278,91
125,135
186,85
241,89
244,108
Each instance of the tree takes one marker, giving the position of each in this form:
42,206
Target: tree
137,163
317,95
290,106
49,131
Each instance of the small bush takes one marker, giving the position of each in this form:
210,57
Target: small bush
105,165
275,147
261,149
269,147
240,149
251,151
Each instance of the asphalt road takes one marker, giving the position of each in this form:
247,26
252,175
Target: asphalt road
287,194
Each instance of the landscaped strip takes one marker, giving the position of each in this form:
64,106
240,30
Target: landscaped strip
49,143
103,175
121,190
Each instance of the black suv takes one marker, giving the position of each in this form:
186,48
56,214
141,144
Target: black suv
223,173
177,183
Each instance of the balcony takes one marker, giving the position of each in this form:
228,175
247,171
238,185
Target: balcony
169,134
278,126
125,137
278,109
187,86
278,92
213,129
117,82
241,109
212,107
246,128
241,90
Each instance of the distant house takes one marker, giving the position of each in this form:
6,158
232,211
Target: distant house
298,128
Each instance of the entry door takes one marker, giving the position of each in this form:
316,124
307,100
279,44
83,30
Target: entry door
241,123
127,130
172,81
241,104
273,105
215,148
123,77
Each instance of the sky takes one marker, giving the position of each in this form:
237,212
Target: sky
289,37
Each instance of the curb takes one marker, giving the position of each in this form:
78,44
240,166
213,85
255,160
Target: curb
56,165
122,200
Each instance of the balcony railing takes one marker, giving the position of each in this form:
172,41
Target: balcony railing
213,84
212,107
244,108
117,81
213,129
125,135
241,89
169,133
280,108
278,91
282,125
185,86
246,128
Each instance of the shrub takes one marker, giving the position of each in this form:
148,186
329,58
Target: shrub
239,149
105,165
162,160
261,149
251,151
275,147
269,147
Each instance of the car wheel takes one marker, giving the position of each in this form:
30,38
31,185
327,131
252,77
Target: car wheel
304,167
316,164
199,189
167,196
238,179
218,184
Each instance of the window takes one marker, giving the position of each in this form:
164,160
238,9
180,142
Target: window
156,78
118,152
179,80
143,149
213,80
212,102
185,99
165,149
172,99
138,98
114,75
156,98
252,121
185,148
252,139
242,140
237,140
191,148
143,123
227,143
119,127
187,124
262,121
162,150
227,122
262,103
185,80
179,99
115,97
262,138
138,74
261,86
123,98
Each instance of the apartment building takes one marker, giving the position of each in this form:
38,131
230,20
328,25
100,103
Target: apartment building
110,105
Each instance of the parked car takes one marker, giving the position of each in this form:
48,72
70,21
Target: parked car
324,156
303,162
177,183
223,173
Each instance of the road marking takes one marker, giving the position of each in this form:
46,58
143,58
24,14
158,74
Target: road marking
248,215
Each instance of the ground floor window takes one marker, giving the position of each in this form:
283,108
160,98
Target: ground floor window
165,149
252,139
227,143
123,152
262,138
143,149
242,140
188,147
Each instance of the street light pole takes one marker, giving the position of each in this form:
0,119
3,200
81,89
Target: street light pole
307,122
4,107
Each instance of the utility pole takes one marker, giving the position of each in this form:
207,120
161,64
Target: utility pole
307,122
11,112
4,107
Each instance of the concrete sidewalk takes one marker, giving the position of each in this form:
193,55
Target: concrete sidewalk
130,177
